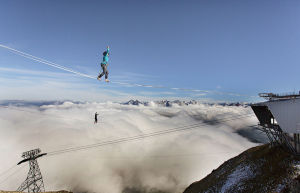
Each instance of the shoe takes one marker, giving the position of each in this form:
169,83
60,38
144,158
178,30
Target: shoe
98,78
106,80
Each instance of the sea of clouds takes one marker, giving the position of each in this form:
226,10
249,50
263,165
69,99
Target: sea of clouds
166,163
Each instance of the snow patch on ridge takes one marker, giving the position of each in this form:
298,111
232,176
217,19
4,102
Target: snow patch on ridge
240,173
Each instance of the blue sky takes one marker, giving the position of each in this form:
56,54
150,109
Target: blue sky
242,47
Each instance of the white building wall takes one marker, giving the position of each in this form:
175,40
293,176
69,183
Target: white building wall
286,113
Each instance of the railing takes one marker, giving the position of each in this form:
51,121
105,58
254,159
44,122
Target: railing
272,96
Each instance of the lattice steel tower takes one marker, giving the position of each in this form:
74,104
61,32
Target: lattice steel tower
34,181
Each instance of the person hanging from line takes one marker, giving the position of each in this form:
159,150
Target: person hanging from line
96,118
104,65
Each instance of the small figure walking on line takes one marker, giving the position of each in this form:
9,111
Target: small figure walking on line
104,65
96,118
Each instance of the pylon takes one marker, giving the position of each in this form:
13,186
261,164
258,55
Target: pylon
34,181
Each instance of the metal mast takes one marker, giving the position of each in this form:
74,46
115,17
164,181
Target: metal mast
34,181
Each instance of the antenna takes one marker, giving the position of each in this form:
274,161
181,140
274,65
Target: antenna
34,181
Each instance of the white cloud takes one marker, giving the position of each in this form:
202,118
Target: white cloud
47,85
34,72
168,162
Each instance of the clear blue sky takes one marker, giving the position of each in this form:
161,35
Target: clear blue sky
246,47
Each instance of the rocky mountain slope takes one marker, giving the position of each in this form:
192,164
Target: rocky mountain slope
259,169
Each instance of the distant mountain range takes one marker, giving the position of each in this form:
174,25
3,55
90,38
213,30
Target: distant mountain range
167,103
25,103
164,103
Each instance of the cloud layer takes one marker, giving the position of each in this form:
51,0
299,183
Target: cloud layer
166,163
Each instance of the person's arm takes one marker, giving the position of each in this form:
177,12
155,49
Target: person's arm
106,57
